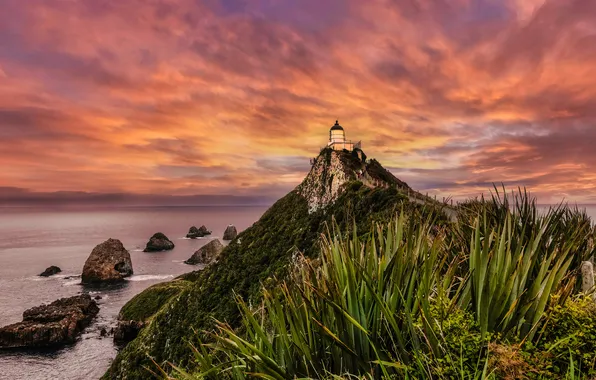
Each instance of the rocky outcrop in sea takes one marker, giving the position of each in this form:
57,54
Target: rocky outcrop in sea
195,232
109,262
56,324
159,242
206,254
50,271
230,233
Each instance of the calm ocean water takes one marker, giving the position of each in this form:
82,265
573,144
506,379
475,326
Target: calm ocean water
31,240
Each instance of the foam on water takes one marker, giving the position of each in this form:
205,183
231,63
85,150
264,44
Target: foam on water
76,281
147,277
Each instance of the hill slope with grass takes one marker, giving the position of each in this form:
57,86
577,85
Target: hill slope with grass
342,186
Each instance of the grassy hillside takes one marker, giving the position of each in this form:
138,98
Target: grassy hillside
259,254
494,296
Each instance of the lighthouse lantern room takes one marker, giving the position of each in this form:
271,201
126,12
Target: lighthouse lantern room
337,138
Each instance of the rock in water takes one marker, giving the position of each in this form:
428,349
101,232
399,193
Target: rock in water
50,271
109,262
206,254
159,242
56,324
230,233
195,232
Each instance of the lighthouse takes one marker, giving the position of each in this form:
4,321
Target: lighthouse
337,138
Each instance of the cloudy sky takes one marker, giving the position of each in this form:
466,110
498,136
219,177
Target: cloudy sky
187,97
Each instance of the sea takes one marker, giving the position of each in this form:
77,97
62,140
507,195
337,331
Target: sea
33,239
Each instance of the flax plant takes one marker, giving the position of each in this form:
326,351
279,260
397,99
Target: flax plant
372,306
353,311
517,258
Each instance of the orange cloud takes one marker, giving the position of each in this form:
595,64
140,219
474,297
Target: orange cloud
185,97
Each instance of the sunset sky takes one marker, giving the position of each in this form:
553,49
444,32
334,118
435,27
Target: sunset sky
187,97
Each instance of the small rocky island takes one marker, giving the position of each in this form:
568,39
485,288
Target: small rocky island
109,262
159,242
195,232
206,254
56,324
50,271
230,233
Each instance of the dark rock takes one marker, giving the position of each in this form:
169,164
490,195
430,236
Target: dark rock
126,331
109,262
195,232
159,242
97,297
230,233
56,324
206,254
103,332
50,271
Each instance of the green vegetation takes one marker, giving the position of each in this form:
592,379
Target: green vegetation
488,297
260,254
146,304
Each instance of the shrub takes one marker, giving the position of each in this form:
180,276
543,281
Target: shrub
570,330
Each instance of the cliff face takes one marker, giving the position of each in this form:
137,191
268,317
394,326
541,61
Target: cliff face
332,170
340,187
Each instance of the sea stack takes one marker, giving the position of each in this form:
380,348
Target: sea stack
206,254
159,242
109,262
230,233
195,232
56,324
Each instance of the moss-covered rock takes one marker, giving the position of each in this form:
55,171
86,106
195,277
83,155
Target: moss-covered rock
145,304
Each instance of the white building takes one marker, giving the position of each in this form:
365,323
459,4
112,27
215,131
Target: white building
337,139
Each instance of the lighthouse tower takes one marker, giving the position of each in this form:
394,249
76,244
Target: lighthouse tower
337,138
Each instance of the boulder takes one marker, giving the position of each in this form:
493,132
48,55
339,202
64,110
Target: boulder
206,254
56,324
126,331
159,242
230,233
50,271
195,232
109,262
